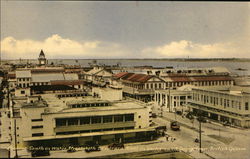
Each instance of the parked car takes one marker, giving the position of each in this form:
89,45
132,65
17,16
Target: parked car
116,145
226,123
178,112
190,116
36,153
71,149
174,125
154,115
92,148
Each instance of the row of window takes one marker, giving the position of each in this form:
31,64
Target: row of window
217,110
23,85
94,120
219,101
89,105
96,130
72,95
147,85
23,79
198,83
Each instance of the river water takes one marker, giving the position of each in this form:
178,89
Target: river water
232,66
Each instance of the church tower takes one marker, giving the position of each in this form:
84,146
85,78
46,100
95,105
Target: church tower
42,60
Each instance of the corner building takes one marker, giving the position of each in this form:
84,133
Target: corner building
80,122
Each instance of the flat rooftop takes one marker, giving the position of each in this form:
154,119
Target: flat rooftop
56,105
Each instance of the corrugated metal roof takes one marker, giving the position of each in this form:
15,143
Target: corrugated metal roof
11,75
67,82
132,77
120,75
23,74
71,76
195,78
47,70
47,77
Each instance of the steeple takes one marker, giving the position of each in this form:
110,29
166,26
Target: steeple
41,59
42,53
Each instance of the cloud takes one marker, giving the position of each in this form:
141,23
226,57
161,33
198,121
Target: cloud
184,49
58,47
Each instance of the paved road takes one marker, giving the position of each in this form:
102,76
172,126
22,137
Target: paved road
217,140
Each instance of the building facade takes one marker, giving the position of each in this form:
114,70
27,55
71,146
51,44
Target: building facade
139,86
77,122
222,106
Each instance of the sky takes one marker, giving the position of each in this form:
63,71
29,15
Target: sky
124,29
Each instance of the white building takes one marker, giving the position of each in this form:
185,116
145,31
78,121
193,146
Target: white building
139,86
222,106
77,120
172,100
98,76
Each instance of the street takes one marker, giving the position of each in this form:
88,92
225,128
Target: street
217,141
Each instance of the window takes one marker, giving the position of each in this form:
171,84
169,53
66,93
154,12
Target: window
97,130
109,129
129,117
246,106
96,119
182,97
22,92
118,118
37,134
61,122
37,127
33,120
85,120
73,121
107,119
126,128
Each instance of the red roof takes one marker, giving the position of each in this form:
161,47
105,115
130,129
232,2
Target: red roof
67,82
120,74
132,77
11,76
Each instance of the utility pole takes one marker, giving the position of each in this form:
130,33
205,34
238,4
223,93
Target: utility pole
200,133
169,97
16,156
200,127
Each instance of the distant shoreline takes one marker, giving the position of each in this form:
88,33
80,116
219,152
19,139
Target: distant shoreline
158,59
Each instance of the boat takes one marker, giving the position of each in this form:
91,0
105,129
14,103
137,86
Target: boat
241,69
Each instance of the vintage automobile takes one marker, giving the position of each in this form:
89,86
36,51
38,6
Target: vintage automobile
71,149
174,125
92,148
37,153
116,145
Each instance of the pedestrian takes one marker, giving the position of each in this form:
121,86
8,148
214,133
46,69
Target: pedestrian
172,139
167,137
